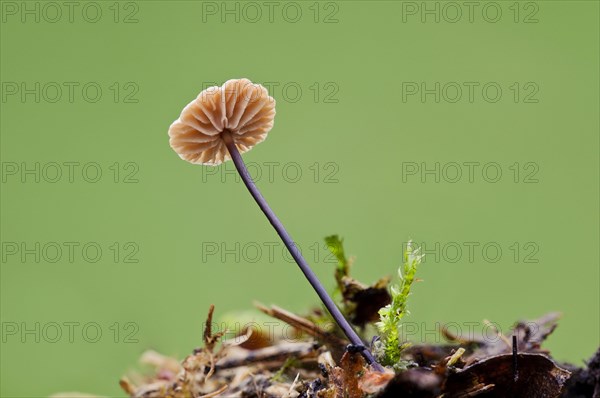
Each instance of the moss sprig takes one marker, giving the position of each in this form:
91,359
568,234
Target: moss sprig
389,347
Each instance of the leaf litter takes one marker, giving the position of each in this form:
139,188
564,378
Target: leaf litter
316,361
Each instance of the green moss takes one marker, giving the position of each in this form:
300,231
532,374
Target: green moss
389,347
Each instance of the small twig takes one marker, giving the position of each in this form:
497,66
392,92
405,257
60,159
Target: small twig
498,333
208,324
209,339
455,357
272,353
215,393
301,323
292,387
127,386
515,357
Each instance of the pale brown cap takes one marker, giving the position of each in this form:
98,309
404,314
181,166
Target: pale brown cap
239,106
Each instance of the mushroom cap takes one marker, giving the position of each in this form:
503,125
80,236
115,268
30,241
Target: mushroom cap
239,106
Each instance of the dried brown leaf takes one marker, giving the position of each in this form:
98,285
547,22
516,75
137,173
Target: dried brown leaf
353,368
538,377
373,382
364,302
413,383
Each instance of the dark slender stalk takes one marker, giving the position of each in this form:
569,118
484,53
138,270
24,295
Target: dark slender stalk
515,351
291,246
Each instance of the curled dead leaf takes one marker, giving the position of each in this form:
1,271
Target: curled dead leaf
538,377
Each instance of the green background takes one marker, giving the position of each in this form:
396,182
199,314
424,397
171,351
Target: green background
362,133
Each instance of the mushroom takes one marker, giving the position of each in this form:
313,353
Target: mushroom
219,125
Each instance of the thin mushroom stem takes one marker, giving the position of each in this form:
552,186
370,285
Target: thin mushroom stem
291,246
